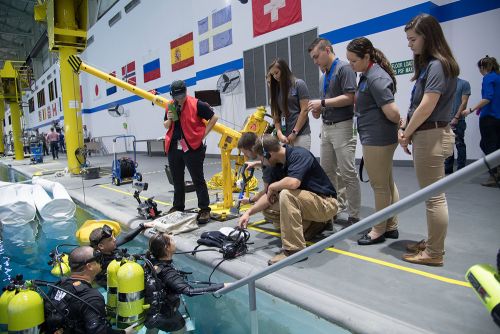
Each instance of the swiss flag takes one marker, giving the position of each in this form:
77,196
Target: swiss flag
269,15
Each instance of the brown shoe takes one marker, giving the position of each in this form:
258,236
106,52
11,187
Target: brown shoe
203,217
315,229
423,258
283,255
415,247
490,182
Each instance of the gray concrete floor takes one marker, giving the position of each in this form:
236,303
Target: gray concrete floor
364,289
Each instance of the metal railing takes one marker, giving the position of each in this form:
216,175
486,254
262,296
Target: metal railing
474,169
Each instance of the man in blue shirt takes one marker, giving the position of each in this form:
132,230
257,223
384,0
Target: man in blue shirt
457,122
304,195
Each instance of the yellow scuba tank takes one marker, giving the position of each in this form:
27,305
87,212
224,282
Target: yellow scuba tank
130,305
112,290
25,312
61,263
4,302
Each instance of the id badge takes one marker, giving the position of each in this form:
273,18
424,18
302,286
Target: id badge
179,147
183,145
283,124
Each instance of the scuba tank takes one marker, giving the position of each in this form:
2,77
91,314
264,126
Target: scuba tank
130,305
60,263
112,290
25,311
9,292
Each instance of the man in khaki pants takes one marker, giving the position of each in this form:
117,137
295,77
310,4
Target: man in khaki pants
299,188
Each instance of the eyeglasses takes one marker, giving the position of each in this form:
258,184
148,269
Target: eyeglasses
106,232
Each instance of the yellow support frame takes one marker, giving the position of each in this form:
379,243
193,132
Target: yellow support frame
228,141
11,93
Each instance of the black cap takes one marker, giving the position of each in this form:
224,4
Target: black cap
178,88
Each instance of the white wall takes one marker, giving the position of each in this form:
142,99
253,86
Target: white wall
149,28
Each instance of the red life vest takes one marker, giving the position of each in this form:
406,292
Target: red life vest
192,126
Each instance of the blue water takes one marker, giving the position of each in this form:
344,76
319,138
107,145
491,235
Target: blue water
25,250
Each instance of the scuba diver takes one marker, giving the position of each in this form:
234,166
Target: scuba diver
165,315
103,240
86,312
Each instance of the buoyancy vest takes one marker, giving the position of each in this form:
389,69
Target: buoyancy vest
192,126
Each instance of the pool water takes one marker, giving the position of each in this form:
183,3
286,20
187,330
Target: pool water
25,250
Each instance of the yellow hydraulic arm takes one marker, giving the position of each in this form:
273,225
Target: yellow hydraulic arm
227,143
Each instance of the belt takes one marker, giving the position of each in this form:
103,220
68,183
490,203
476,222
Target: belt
432,125
334,122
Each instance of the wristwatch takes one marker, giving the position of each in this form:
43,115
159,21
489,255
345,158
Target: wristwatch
295,132
323,103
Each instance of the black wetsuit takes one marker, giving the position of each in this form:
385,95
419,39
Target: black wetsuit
174,284
82,318
101,278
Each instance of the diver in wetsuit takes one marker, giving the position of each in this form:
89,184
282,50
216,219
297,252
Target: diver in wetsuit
86,314
103,240
169,319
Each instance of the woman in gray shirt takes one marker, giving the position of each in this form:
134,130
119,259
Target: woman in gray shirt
289,109
427,128
377,120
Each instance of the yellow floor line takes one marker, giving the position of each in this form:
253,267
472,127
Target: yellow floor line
372,260
129,194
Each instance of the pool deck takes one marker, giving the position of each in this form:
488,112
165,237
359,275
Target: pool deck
363,289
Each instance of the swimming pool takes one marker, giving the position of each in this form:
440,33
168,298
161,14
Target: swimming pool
25,250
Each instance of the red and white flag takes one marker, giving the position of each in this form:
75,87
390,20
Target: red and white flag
269,15
128,73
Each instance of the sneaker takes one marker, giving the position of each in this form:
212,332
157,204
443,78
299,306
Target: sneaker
423,258
315,229
415,247
203,217
283,255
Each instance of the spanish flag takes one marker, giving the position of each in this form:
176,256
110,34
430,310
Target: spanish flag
182,52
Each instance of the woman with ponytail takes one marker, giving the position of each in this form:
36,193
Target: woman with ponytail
377,121
160,253
428,129
489,112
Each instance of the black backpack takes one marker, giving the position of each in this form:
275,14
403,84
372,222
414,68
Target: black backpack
154,294
56,308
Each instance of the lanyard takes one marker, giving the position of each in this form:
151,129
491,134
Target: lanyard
362,79
420,77
328,77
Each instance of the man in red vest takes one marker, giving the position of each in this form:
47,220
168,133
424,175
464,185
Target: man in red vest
184,145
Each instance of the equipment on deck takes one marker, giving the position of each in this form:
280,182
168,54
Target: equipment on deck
147,209
36,150
244,181
486,283
229,137
124,169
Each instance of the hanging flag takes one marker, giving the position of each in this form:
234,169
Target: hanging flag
182,52
269,15
81,94
128,73
97,92
39,115
111,90
215,31
152,70
54,109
